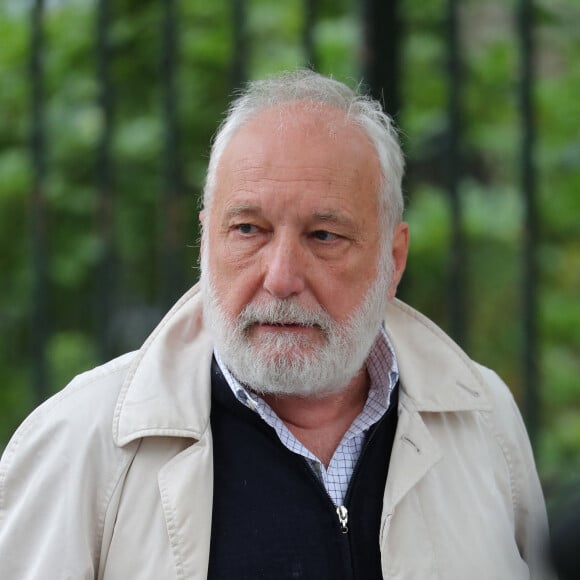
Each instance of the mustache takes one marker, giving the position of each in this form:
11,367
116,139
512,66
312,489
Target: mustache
285,312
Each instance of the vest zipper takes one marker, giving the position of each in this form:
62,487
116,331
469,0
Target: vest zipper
342,513
342,510
342,516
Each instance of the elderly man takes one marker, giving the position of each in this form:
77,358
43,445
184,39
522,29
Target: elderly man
288,418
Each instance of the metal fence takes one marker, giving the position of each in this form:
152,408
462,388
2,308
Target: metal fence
383,36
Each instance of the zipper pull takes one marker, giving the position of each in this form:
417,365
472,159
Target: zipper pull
342,513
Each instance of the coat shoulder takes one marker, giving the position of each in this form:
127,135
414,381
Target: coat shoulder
58,474
86,404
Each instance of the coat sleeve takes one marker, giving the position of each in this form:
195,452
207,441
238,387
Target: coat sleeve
530,519
57,476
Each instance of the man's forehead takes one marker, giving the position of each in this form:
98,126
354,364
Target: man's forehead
297,146
318,126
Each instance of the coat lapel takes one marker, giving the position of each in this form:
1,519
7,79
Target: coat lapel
167,390
414,453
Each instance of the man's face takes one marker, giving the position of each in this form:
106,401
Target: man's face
291,250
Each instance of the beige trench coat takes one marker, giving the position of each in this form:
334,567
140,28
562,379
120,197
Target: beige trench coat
112,477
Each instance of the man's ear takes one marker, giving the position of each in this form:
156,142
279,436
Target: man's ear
400,249
202,217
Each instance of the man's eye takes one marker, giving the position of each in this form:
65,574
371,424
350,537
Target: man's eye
246,229
324,236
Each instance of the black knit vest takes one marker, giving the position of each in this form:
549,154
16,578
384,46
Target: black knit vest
272,517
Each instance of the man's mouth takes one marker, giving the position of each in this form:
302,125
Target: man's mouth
284,325
283,328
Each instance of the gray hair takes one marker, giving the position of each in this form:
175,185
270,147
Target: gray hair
360,109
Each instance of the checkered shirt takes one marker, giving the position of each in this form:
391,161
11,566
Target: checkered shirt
384,374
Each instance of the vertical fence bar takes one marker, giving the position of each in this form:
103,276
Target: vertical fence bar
457,277
172,282
240,55
40,300
104,184
381,52
310,10
530,234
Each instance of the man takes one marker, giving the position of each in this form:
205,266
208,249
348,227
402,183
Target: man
288,418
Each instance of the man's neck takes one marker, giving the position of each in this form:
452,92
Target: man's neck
320,423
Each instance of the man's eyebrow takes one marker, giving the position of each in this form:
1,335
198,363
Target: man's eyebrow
239,209
333,217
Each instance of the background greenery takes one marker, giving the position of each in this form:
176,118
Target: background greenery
490,190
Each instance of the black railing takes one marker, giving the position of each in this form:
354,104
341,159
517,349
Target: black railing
383,31
457,296
38,213
105,184
382,53
171,273
530,228
310,10
240,52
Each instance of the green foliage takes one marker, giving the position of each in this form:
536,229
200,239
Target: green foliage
491,203
490,191
71,352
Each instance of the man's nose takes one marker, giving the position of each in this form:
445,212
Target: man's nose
284,268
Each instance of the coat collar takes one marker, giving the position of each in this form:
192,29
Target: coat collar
167,389
436,375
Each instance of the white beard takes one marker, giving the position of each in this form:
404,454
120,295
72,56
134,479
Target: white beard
292,365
